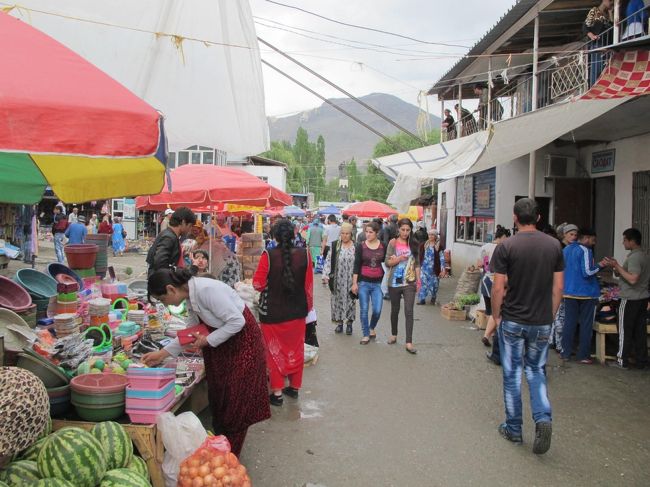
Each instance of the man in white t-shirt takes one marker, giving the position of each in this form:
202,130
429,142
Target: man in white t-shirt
331,235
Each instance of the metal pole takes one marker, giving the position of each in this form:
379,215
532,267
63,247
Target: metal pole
532,165
459,113
443,132
617,20
489,87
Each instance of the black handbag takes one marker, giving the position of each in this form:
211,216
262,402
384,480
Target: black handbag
263,304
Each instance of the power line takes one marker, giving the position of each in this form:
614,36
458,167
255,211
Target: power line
329,102
362,103
399,48
364,27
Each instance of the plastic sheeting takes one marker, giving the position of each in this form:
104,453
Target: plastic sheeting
211,95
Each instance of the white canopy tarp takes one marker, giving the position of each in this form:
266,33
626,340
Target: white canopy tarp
212,94
521,135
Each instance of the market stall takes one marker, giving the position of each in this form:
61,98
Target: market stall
88,357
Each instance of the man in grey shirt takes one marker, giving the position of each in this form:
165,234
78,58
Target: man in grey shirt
634,277
332,233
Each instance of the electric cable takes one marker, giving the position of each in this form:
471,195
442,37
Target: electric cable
372,29
337,107
362,103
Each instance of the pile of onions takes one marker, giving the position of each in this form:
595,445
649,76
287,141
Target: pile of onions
211,468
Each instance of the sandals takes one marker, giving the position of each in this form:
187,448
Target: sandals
411,350
392,341
365,341
373,336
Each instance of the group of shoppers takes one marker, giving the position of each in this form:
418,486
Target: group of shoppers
391,263
75,229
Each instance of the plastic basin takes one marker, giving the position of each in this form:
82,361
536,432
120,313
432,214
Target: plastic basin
99,383
94,399
151,404
13,296
50,375
81,256
59,405
14,342
54,269
56,392
99,413
132,393
38,284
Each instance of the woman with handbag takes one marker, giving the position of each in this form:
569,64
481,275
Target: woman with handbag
233,351
338,271
403,279
285,280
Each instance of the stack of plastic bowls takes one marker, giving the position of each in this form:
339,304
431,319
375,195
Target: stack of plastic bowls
101,261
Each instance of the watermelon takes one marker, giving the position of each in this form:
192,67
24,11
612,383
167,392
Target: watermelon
52,483
2,484
32,452
123,477
116,442
72,454
21,473
139,465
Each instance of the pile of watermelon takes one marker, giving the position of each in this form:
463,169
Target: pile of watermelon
73,457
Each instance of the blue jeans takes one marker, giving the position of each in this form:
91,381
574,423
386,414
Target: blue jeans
58,247
369,291
580,311
525,345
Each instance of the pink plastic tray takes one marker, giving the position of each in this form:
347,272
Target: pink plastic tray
149,383
145,416
151,404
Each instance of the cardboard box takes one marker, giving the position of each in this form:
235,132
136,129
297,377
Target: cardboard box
453,314
481,319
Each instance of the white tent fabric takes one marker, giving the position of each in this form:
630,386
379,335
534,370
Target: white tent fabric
211,95
521,135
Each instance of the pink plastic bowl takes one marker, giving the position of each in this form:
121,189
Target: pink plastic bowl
13,296
99,383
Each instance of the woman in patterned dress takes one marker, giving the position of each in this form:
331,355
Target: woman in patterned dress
432,265
338,271
233,353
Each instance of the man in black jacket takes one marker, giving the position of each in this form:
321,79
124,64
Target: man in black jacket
166,250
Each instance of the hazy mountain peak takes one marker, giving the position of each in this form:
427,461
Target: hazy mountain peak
345,138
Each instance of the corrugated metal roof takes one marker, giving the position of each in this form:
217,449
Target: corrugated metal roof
516,12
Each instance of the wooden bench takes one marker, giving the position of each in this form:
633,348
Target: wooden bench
603,329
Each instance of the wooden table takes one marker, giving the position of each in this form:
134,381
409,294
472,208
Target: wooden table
603,329
146,437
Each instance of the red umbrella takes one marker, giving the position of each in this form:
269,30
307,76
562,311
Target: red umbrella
204,186
369,209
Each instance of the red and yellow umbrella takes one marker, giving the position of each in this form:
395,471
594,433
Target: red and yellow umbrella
66,124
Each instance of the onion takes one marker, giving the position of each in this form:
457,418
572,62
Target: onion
197,482
219,472
204,470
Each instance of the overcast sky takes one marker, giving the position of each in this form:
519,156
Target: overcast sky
409,66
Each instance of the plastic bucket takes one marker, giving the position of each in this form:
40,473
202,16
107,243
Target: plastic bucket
81,256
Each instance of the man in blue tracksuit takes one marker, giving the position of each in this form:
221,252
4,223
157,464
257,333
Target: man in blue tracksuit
581,293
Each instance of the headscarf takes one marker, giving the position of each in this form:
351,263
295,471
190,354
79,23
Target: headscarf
347,227
221,254
24,410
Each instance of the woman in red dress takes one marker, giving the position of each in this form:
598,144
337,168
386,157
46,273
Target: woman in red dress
286,280
233,353
106,226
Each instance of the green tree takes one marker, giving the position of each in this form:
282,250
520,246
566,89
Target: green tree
356,189
401,142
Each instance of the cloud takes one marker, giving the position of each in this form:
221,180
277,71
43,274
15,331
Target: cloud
410,67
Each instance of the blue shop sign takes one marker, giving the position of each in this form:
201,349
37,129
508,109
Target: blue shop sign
603,161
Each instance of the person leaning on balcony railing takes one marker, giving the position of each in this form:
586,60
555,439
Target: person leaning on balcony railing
449,125
481,91
468,123
597,27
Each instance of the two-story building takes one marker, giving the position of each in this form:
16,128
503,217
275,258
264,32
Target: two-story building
560,118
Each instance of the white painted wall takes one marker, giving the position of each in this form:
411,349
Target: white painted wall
631,156
277,175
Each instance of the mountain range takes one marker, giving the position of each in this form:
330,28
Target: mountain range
344,137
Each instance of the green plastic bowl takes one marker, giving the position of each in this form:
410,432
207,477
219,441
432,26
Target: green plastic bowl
95,399
108,412
49,374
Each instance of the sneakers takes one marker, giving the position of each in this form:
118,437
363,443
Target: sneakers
620,365
492,358
508,435
543,432
276,400
291,392
421,302
586,361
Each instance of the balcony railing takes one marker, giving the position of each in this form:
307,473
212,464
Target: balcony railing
558,78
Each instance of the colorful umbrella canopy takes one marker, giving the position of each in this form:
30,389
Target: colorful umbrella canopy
66,124
205,185
415,213
293,211
330,210
369,209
